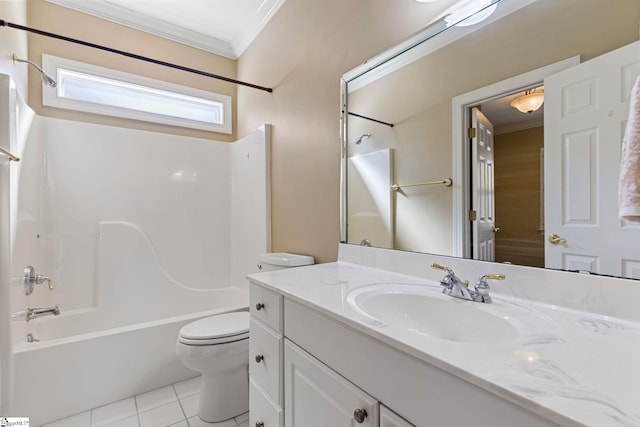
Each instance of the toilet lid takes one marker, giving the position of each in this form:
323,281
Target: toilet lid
220,328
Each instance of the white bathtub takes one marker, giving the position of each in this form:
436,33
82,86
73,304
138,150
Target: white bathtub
141,233
55,378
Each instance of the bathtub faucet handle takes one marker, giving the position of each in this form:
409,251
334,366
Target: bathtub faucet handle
42,278
30,279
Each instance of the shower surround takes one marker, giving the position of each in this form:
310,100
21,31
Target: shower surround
140,232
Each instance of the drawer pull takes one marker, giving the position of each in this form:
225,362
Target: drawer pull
259,306
359,415
259,424
259,358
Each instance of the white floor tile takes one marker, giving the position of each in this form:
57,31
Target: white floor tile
190,405
188,387
157,408
154,398
127,422
79,420
197,422
113,412
162,416
242,418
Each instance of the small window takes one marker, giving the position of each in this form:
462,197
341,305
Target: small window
85,87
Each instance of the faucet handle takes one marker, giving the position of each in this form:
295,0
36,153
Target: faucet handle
41,279
482,286
438,266
30,279
482,281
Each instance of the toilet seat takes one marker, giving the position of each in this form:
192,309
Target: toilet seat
219,329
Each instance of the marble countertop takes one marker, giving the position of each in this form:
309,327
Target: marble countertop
574,368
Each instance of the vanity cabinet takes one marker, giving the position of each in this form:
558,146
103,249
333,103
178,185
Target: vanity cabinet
265,358
331,374
316,396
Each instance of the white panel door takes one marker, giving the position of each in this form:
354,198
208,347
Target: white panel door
586,109
316,396
482,192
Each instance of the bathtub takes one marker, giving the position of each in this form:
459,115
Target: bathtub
141,233
64,375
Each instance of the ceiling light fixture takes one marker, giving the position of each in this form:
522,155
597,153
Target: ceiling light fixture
531,101
470,13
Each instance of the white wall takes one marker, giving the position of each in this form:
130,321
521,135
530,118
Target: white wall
11,41
250,203
119,218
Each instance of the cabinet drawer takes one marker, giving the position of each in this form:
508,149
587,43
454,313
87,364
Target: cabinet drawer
265,359
266,306
262,409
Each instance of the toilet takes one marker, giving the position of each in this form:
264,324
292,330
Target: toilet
218,347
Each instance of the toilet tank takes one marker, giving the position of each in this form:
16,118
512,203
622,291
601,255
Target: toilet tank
279,260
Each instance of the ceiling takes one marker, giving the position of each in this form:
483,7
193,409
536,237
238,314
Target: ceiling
505,118
223,27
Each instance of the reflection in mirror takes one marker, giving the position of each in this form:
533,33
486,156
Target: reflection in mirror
535,188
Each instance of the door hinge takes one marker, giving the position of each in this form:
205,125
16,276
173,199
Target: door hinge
472,215
472,132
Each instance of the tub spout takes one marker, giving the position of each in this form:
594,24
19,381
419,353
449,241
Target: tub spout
33,313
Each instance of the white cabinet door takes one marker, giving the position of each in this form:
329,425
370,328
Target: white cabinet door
316,396
388,418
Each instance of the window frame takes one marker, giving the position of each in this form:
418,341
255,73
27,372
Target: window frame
53,97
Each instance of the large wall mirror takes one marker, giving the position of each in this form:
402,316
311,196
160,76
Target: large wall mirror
438,160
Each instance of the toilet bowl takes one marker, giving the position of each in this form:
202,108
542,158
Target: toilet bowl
218,347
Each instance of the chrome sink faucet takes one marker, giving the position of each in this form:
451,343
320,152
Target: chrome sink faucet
455,287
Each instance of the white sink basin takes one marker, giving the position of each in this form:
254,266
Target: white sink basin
424,310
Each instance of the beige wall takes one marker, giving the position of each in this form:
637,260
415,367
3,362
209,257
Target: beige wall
13,41
48,17
518,197
302,54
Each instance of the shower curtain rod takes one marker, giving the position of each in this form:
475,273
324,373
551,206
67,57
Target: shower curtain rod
369,118
4,23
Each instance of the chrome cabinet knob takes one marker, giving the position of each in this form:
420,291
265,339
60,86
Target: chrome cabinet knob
259,358
360,415
259,306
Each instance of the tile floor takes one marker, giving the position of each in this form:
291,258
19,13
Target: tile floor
174,405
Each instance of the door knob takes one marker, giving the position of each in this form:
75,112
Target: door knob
554,239
495,229
259,358
359,415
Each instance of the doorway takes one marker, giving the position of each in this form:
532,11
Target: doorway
462,153
518,182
